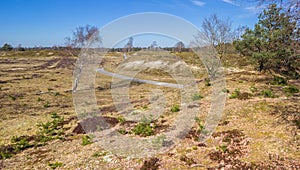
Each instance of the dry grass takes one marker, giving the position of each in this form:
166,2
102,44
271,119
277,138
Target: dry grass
261,131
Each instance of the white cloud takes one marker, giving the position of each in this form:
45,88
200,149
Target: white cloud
255,9
230,2
198,3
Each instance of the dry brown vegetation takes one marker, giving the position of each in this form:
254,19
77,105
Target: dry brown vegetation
256,131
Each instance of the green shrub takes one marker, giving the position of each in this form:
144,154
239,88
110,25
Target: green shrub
199,123
56,94
235,94
196,97
175,108
222,148
55,165
100,153
291,89
207,82
51,129
122,131
225,90
121,119
46,105
144,128
5,154
268,93
20,143
87,139
12,97
253,89
47,131
279,81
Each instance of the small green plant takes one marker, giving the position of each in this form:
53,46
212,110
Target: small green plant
56,94
196,97
279,81
47,104
40,99
55,165
235,94
145,107
12,97
87,139
51,129
207,82
222,148
175,108
50,89
5,154
121,119
194,147
20,143
187,160
100,153
199,123
225,90
122,131
291,89
47,131
144,128
253,89
268,93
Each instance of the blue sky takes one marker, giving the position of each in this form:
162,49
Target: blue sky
48,22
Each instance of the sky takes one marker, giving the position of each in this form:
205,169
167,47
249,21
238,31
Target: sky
47,22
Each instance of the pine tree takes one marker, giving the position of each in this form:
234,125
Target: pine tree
273,42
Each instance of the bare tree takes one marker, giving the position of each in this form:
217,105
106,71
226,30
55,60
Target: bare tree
179,46
154,45
128,46
219,32
81,35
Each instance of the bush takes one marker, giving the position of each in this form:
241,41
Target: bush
279,81
144,128
121,119
100,153
253,89
175,108
199,123
196,97
225,90
222,148
7,47
207,82
235,94
47,131
268,93
51,130
20,143
55,165
291,89
87,139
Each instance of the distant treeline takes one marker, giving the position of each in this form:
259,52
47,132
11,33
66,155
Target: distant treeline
8,47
